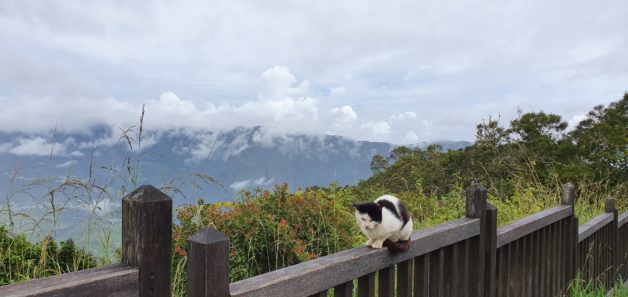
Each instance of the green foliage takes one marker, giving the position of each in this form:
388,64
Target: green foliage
580,288
21,260
525,162
270,230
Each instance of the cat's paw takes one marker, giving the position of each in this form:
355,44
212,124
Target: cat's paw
378,244
369,242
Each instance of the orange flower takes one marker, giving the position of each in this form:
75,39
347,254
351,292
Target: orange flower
181,252
283,222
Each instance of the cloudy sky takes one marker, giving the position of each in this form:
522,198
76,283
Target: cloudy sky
396,71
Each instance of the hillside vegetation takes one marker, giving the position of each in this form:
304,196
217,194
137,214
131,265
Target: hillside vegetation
523,165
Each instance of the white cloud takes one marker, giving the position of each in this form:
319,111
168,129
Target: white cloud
575,120
279,83
67,164
259,182
377,127
77,153
337,91
410,138
345,117
205,58
37,147
404,116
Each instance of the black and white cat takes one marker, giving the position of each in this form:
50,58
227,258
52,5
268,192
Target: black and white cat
385,218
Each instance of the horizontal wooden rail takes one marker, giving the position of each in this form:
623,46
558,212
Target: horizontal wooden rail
593,225
320,274
515,230
623,219
112,280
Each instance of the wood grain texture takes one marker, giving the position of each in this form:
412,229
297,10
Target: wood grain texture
590,227
386,279
421,276
366,285
568,194
475,201
327,272
344,290
490,254
404,278
208,264
527,225
147,239
113,280
623,219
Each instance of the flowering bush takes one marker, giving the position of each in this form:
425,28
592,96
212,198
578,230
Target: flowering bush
269,230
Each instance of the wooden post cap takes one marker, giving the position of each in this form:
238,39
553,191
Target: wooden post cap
146,193
609,206
568,194
475,200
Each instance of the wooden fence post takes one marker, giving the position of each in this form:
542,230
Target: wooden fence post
490,230
208,264
147,239
476,208
609,207
568,197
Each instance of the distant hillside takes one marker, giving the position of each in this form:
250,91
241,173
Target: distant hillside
243,158
240,158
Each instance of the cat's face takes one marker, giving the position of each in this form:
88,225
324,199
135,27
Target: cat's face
365,221
368,215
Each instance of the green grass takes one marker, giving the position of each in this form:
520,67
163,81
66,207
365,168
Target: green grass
580,288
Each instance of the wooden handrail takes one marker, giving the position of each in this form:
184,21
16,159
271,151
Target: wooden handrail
314,276
515,230
623,219
593,225
111,280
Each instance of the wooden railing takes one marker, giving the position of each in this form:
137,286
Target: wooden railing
536,256
599,250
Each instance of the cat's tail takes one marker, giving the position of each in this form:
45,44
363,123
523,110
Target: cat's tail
401,246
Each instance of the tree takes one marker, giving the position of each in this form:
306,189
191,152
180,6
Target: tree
538,127
378,163
490,133
602,140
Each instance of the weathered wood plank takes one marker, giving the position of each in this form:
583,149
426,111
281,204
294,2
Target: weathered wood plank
344,290
502,276
593,225
208,264
366,286
623,219
490,251
326,272
404,279
449,271
527,225
147,239
113,280
386,279
421,276
475,282
467,268
456,278
436,273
